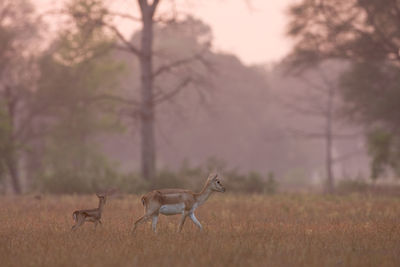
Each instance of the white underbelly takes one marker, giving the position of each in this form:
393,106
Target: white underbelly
172,209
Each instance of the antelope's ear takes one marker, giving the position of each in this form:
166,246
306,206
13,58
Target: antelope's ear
215,177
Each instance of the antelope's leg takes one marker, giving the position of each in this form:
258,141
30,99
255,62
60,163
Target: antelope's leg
80,221
154,222
141,220
194,219
149,212
183,218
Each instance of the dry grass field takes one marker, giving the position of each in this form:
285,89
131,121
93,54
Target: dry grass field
281,230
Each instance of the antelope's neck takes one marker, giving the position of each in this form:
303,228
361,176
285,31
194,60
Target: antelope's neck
203,195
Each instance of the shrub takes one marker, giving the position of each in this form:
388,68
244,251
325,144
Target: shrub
98,174
168,179
271,185
352,186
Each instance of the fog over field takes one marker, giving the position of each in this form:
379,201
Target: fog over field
199,133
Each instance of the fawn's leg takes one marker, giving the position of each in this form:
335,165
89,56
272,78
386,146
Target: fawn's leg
80,221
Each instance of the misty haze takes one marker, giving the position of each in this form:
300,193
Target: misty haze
269,128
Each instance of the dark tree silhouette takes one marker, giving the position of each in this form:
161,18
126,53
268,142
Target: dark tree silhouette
93,13
17,74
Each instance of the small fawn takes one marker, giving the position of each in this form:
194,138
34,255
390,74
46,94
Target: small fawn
92,215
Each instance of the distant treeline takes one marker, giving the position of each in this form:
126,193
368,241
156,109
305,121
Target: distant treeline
185,177
85,108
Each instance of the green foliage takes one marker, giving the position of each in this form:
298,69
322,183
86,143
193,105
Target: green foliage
384,151
71,153
18,34
270,186
295,178
372,94
96,174
193,178
85,37
61,176
4,139
366,30
169,179
253,183
76,73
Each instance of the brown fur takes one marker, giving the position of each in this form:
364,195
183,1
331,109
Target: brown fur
155,199
91,215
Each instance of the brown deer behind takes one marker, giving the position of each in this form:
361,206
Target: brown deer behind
90,215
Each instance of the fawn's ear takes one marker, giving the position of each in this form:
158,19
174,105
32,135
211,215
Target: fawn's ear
212,177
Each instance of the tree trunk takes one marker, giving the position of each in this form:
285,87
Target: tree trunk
11,157
148,152
328,134
329,162
12,166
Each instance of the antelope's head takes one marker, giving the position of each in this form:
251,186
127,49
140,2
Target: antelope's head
215,184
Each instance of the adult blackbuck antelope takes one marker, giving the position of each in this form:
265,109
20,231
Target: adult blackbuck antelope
92,215
177,201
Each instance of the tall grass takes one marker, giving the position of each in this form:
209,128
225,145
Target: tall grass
245,230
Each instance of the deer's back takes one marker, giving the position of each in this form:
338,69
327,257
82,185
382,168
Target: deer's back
91,213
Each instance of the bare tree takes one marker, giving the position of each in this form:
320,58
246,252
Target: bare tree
320,100
17,74
94,14
366,33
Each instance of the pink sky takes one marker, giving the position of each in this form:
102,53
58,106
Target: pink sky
255,34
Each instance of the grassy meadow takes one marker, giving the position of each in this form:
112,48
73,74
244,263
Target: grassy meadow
245,230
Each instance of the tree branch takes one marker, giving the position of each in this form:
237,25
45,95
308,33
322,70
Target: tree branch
130,47
181,62
306,135
107,97
305,105
153,7
174,92
175,64
125,16
312,85
390,45
320,135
